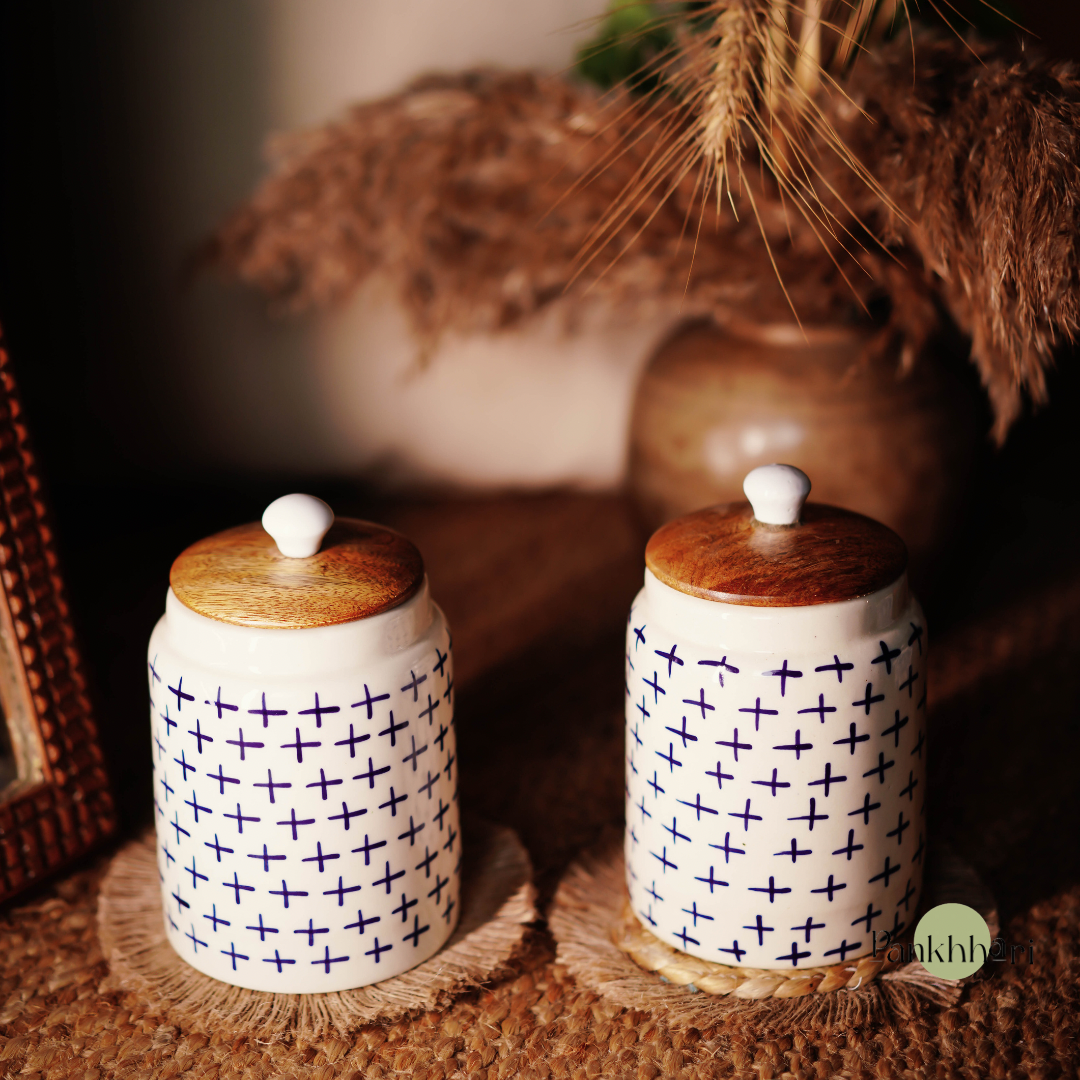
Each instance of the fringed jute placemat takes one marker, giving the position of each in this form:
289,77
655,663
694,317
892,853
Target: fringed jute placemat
607,950
498,903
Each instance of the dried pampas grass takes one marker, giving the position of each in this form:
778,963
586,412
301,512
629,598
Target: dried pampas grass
486,198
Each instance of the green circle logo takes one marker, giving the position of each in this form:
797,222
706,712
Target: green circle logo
952,941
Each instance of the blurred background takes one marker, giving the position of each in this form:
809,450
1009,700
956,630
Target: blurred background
164,409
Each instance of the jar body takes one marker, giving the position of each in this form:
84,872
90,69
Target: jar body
775,774
305,788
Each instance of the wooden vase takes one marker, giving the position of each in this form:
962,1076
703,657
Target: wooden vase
713,403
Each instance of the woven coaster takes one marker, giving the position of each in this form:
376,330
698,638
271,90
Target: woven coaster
498,902
607,950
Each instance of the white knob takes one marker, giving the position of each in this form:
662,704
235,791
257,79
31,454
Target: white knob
298,524
777,493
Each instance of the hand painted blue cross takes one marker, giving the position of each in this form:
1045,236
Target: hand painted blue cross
721,666
262,929
898,832
827,780
266,713
371,773
367,848
244,744
812,816
772,784
746,817
393,729
760,929
670,657
429,712
850,847
320,858
720,775
887,657
794,851
341,891
181,697
820,708
830,888
222,779
798,745
271,784
299,746
311,930
657,689
880,768
758,712
285,892
294,822
712,880
868,918
843,949
411,831
196,877
682,733
323,783
369,702
416,931
404,907
238,888
361,922
388,879
220,705
865,809
182,762
784,673
726,847
327,959
852,739
836,666
795,955
414,685
894,729
809,926
200,738
869,698
700,703
697,806
352,740
239,818
217,848
215,920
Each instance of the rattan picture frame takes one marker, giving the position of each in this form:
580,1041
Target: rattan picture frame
57,804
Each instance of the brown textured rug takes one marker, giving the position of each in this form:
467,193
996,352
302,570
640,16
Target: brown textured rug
498,903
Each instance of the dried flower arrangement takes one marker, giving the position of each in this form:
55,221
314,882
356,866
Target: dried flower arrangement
781,160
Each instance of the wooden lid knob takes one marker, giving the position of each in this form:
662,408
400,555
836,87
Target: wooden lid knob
313,571
776,553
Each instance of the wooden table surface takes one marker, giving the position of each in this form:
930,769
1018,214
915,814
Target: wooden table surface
536,589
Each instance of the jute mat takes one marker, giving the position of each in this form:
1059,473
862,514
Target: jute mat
498,903
607,950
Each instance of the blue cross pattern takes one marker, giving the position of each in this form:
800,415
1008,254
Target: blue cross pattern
738,766
275,832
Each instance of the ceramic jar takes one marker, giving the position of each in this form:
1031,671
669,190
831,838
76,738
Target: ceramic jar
715,402
305,771
775,732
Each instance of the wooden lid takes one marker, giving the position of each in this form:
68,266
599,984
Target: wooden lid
723,553
240,576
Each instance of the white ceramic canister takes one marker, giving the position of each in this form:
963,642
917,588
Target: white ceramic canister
305,772
775,732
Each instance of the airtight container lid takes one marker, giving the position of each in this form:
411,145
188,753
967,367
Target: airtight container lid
776,550
299,568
